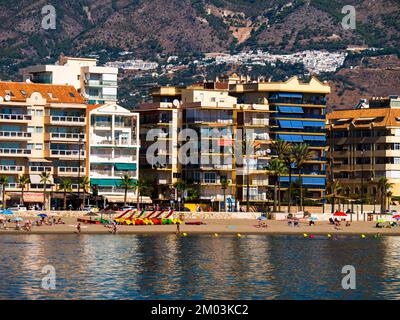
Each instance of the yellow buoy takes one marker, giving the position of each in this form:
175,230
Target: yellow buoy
216,234
184,234
305,235
363,236
239,235
329,235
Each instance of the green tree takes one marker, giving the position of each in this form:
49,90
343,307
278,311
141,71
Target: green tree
276,168
65,186
3,182
127,183
140,186
224,185
45,180
384,188
23,182
84,184
300,154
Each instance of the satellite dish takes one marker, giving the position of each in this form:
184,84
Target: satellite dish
268,151
7,97
1,99
175,103
28,81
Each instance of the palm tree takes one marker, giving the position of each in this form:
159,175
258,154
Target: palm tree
276,167
45,179
23,181
3,182
335,189
224,185
283,149
140,186
126,183
66,186
384,187
84,184
301,153
180,187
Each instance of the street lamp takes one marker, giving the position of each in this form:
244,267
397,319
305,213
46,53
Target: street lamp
362,184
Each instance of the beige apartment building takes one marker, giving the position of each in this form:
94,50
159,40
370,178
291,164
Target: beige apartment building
42,129
237,109
365,147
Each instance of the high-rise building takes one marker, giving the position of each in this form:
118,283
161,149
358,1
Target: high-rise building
224,113
365,147
95,83
113,150
42,129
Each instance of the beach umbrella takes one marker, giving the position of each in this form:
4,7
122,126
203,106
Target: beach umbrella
397,216
8,212
42,215
91,214
340,214
16,219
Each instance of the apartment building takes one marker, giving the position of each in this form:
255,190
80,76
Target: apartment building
42,129
365,147
239,111
95,83
297,115
113,149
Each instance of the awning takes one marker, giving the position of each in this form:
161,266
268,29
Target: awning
38,160
130,199
35,179
33,197
290,95
291,138
285,109
314,138
107,182
365,119
125,166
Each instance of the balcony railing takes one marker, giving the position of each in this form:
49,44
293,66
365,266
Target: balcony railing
70,170
40,169
101,83
15,134
13,168
15,151
67,119
68,136
71,153
12,186
15,117
101,173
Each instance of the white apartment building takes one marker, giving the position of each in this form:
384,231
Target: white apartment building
97,84
113,149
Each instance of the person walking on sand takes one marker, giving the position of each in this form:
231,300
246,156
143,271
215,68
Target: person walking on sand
178,229
78,228
114,228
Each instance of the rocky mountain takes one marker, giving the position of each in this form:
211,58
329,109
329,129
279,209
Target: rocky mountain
151,29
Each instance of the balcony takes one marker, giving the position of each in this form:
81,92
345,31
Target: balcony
12,186
15,135
15,118
70,171
102,125
67,154
12,169
101,83
72,137
98,173
40,169
257,182
68,121
114,143
14,152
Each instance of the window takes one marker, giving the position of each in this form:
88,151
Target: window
210,177
29,146
71,94
39,129
39,146
39,113
30,129
23,92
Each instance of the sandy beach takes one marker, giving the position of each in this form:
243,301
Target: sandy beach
211,226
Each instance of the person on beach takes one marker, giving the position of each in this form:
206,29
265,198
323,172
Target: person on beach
78,228
114,228
178,228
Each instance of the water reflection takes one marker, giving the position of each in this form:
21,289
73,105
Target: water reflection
198,267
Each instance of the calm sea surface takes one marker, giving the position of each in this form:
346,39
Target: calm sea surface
197,267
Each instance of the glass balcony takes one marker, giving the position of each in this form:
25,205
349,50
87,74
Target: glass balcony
70,170
15,152
67,153
40,169
14,117
12,168
67,120
15,135
67,136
